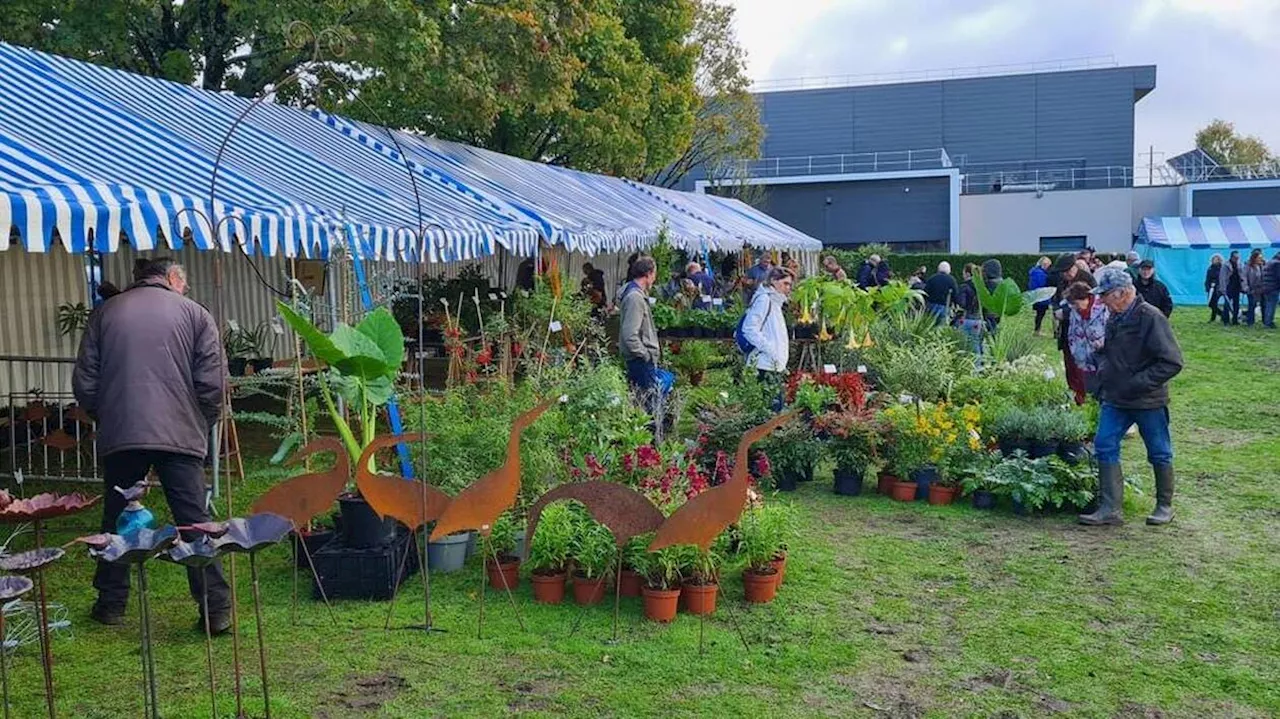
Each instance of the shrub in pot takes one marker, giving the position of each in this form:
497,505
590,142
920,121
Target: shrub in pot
853,445
549,553
1011,427
791,448
662,583
1073,432
1042,431
505,572
694,359
594,554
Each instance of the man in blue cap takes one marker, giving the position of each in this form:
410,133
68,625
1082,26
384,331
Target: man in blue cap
1138,358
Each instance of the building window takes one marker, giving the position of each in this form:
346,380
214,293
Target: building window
1067,243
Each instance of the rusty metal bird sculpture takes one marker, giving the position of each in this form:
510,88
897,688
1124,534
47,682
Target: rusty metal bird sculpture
411,502
622,509
700,520
300,499
478,506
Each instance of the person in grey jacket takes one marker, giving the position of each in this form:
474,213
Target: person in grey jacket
1251,285
1136,361
637,338
151,372
1270,291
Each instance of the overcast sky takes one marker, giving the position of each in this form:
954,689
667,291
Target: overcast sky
1214,58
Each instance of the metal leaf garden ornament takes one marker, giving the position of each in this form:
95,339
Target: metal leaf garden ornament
43,506
11,587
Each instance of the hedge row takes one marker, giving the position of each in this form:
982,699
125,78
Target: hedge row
1017,267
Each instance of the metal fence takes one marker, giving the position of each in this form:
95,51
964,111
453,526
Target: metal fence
1046,179
44,436
846,163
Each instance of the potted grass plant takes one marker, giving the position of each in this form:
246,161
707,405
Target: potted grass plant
760,539
549,553
1073,432
661,590
1043,430
1011,427
594,554
634,556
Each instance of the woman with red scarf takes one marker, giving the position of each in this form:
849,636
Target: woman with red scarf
1086,331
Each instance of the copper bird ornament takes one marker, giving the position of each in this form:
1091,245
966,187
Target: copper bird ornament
413,503
623,510
478,506
300,499
700,520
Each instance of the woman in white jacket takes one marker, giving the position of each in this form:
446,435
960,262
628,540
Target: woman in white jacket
765,327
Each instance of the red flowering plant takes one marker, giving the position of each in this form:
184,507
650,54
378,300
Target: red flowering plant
850,388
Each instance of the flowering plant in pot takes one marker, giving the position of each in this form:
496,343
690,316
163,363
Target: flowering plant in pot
792,451
550,551
854,446
760,540
909,449
594,554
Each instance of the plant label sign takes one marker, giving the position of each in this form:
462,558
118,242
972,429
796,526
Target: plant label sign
652,300
493,296
829,369
717,302
555,326
706,299
862,369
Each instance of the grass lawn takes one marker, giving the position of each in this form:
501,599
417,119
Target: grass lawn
888,610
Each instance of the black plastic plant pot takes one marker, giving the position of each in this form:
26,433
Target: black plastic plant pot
1043,449
361,526
806,475
261,364
924,478
310,543
1019,508
787,480
1009,446
982,499
847,482
1073,453
236,366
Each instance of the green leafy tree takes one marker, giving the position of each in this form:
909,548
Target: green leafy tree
1220,141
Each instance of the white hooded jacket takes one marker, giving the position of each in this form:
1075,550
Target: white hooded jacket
766,329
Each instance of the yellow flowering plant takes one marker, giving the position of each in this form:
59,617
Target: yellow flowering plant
939,435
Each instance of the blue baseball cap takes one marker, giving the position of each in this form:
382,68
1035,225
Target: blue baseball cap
1112,278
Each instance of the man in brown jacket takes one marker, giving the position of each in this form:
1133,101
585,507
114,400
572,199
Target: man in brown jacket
151,372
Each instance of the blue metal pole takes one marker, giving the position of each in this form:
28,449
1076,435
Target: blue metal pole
366,300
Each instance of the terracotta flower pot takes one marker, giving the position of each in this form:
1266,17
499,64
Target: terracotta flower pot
660,604
938,494
884,484
780,564
504,575
760,588
630,583
699,599
548,588
904,491
587,592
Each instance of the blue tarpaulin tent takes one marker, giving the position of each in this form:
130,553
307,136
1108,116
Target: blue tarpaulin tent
1182,247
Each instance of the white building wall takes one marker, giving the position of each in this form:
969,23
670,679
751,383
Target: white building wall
1155,201
1014,222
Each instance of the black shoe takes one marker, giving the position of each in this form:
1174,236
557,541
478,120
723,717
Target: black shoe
219,624
108,615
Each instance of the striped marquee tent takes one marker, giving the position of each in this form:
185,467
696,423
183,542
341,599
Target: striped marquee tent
1182,247
93,152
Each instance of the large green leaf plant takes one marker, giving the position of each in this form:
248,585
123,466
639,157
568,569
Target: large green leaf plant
362,365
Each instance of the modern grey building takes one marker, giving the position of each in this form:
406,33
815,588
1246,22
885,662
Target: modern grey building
1035,162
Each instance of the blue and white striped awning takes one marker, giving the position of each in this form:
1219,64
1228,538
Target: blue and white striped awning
84,148
1242,232
584,212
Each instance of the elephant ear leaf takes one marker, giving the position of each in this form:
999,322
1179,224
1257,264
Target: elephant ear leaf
321,346
1005,301
381,327
1032,297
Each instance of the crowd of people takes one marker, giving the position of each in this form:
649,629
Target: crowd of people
1256,281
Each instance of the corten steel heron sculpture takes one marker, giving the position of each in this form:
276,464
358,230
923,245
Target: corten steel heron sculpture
302,498
414,503
478,506
700,520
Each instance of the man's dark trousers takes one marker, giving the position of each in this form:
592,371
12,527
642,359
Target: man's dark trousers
182,478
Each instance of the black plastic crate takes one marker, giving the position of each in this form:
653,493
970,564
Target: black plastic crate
362,573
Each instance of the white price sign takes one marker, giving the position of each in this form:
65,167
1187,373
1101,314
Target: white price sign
706,299
652,300
829,368
717,302
555,326
862,369
493,296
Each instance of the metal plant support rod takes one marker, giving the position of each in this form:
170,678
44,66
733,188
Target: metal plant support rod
46,651
262,644
208,649
149,659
